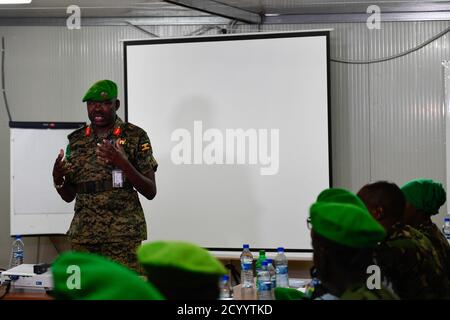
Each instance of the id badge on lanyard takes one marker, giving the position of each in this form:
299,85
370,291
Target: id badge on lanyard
117,174
117,178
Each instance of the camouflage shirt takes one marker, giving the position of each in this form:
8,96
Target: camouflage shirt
439,242
363,293
408,260
116,214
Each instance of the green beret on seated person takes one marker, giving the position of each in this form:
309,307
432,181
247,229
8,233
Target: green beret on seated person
103,90
181,270
341,216
425,195
86,276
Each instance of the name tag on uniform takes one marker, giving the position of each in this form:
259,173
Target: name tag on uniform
117,178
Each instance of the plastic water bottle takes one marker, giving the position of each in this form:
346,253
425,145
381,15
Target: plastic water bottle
281,268
264,291
16,252
246,267
446,228
273,274
311,288
261,258
225,288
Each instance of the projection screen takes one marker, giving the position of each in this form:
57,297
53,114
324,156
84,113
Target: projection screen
240,127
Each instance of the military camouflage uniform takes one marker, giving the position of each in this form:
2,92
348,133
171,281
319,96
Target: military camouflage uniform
108,221
363,293
408,260
439,242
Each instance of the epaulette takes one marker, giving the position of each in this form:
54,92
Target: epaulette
77,132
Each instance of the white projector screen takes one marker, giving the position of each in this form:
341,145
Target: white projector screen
239,125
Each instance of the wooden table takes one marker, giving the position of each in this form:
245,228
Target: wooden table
240,293
27,295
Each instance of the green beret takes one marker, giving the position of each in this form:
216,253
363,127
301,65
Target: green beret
425,194
340,216
101,91
288,294
181,270
337,195
86,276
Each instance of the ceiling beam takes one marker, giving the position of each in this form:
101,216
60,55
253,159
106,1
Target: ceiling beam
117,21
220,9
355,17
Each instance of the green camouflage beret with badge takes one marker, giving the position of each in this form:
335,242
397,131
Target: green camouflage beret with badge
102,90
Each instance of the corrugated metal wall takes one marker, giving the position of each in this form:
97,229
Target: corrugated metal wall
387,118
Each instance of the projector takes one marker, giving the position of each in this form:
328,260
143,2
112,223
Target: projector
24,277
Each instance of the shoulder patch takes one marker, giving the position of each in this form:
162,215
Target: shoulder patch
145,146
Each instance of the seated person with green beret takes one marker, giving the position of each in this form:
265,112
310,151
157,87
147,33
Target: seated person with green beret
343,236
406,257
424,197
106,164
86,276
181,270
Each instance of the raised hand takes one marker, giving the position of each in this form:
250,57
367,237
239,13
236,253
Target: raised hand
61,168
111,154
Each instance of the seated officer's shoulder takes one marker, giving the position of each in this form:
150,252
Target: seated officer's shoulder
77,134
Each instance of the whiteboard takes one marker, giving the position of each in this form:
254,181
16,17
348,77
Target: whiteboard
36,207
196,98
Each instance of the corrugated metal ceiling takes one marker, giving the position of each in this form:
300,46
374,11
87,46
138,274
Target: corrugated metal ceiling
133,8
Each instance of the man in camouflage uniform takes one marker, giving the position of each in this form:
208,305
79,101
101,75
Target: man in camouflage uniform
424,197
344,235
105,163
406,257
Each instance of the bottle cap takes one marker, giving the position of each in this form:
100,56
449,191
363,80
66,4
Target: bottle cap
246,246
447,219
18,237
262,252
269,260
224,278
280,249
264,263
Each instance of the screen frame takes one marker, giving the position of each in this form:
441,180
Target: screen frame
237,37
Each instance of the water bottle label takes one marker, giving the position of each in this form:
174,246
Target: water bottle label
282,270
265,286
18,254
246,266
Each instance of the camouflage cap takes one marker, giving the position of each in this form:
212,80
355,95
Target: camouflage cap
340,216
102,90
99,279
425,194
181,270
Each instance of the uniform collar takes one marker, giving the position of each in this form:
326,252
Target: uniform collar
116,131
